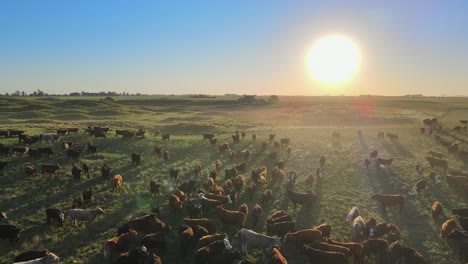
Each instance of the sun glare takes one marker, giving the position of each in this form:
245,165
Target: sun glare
333,59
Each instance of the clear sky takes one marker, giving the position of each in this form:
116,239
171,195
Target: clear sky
218,47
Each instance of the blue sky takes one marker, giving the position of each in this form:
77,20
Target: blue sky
218,47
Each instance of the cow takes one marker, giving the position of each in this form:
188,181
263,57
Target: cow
301,198
331,248
393,233
304,236
31,255
208,136
116,183
147,223
355,248
140,133
322,161
241,167
460,212
266,197
105,170
230,217
278,219
256,212
49,169
135,158
325,228
412,256
419,186
213,249
230,173
256,240
87,194
76,173
83,215
320,256
4,150
22,150
3,165
281,228
384,162
49,258
353,213
72,153
45,150
209,224
158,151
436,209
389,200
367,163
55,214
72,130
236,138
175,204
374,246
86,168
244,208
156,240
277,257
319,173
91,148
173,173
208,204
358,229
155,188
10,232
29,170
77,203
166,155
49,138
223,147
118,245
166,137
436,162
422,130
447,227
138,255
185,238
284,142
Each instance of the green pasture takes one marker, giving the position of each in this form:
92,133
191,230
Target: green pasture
308,121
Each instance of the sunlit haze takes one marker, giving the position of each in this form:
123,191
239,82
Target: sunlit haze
233,47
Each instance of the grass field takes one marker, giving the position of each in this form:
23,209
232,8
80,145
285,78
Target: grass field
308,121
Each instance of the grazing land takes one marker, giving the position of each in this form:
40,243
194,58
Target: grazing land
309,122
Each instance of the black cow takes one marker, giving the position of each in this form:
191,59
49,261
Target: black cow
47,151
31,255
86,168
55,214
92,148
11,232
173,174
4,150
3,164
87,194
105,170
76,172
136,158
71,153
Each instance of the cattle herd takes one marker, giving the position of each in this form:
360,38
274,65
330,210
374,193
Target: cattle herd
201,202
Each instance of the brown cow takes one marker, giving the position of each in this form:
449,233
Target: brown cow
277,257
256,212
49,169
230,217
436,209
301,237
117,245
116,183
30,171
436,162
447,227
389,200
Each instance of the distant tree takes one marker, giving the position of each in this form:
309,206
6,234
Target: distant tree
273,98
109,99
23,93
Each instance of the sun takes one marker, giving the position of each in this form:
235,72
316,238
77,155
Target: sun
333,59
